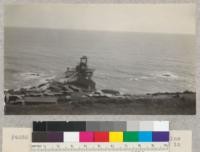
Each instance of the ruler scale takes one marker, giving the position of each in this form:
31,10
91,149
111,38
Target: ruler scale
101,147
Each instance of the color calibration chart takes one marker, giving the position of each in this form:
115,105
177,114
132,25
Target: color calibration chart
100,136
106,136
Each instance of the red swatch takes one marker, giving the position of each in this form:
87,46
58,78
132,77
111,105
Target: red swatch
101,136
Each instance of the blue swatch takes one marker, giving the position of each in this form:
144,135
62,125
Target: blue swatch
145,136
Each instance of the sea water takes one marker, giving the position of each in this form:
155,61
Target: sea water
129,62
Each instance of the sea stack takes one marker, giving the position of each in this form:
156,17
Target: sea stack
81,76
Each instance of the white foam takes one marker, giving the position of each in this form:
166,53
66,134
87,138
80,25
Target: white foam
30,75
35,79
166,75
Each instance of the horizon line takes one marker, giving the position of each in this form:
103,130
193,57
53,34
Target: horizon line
94,30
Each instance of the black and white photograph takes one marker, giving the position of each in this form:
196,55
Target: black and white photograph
99,59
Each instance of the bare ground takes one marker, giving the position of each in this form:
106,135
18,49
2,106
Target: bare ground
150,104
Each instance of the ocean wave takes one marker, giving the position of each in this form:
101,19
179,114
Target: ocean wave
166,75
156,75
30,75
139,77
31,79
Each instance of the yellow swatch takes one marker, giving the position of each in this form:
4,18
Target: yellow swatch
115,136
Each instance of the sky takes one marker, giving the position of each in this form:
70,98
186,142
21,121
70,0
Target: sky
147,18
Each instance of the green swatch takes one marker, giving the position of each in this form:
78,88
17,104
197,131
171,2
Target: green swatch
131,136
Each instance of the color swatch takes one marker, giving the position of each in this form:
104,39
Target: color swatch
115,136
71,136
101,136
86,137
55,136
160,136
131,136
145,136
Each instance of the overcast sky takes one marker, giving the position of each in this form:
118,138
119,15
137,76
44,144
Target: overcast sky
154,18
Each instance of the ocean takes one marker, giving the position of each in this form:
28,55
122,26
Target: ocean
134,63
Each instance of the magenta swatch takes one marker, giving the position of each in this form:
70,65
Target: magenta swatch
86,137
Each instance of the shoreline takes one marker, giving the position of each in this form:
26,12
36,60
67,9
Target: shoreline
75,93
